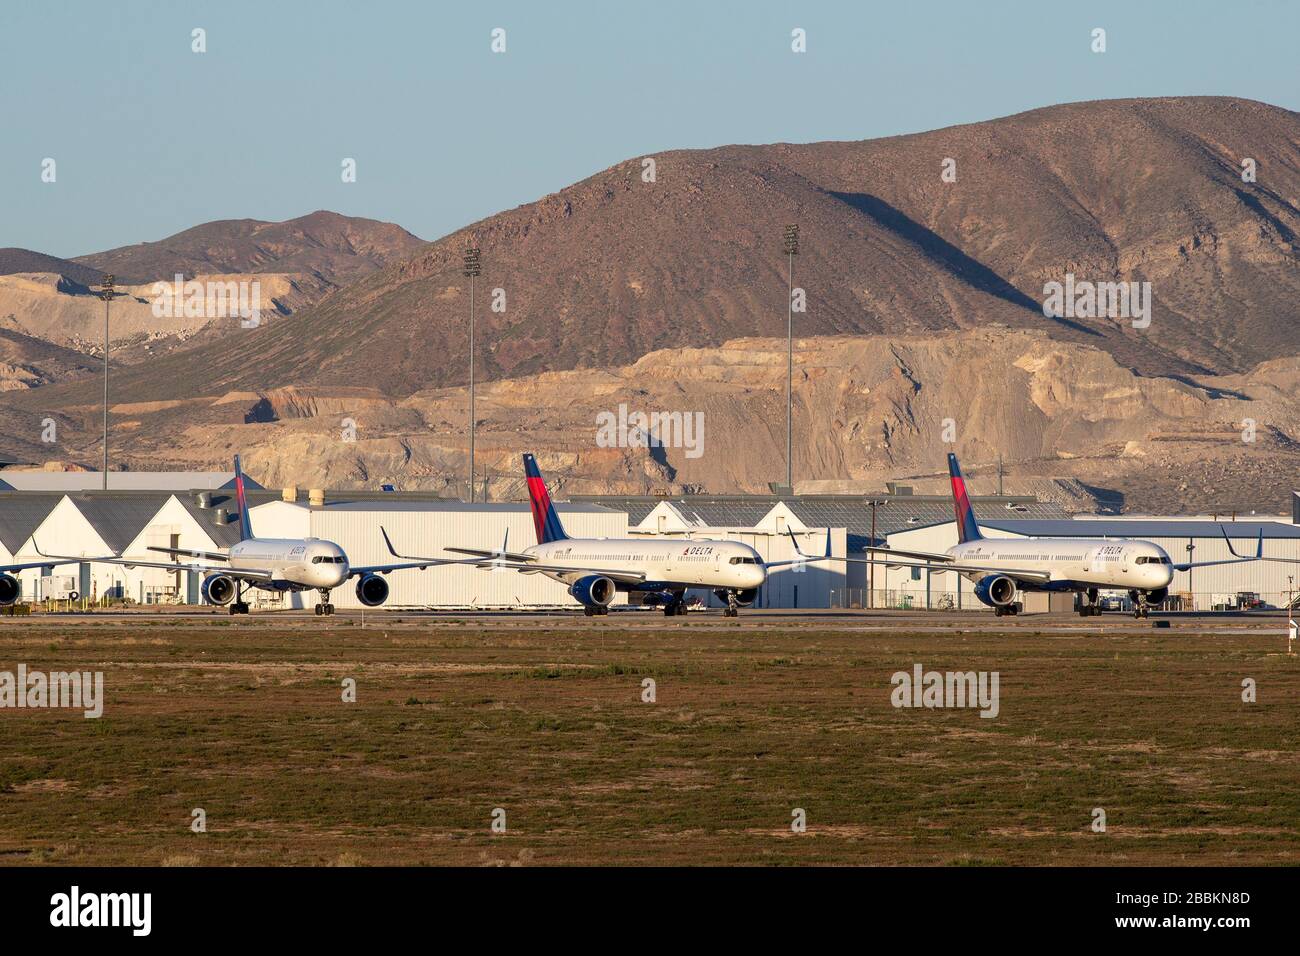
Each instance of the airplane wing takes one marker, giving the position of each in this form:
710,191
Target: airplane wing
48,563
528,567
514,561
427,563
249,574
182,552
931,556
1236,558
483,553
412,561
803,558
1017,574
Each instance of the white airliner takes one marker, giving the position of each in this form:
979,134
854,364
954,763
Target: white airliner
650,572
999,567
273,564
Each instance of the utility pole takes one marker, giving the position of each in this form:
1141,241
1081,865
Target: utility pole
791,250
471,273
107,293
871,568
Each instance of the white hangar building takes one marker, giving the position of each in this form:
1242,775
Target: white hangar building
68,514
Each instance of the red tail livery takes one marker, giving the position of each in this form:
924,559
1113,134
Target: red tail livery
967,528
545,520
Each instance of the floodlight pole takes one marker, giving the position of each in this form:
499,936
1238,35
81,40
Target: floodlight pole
471,272
791,250
107,293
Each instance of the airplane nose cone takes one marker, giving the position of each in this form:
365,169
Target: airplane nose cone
757,576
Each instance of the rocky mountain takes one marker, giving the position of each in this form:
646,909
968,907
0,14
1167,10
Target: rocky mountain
1071,423
24,260
294,263
337,249
614,267
27,362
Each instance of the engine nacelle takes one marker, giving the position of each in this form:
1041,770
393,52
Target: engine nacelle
10,590
372,590
743,598
595,590
995,590
1157,597
219,589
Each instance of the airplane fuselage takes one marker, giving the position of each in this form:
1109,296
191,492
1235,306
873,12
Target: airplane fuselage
1088,562
298,564
665,564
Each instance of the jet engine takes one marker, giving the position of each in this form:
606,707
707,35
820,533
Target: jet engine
219,588
1157,596
594,590
10,590
743,598
995,590
372,590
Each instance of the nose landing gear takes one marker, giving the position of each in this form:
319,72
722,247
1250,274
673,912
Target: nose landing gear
324,607
1140,606
733,606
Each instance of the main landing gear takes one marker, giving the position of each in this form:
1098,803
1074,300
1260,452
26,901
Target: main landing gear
239,605
1008,610
676,607
594,611
324,607
1089,603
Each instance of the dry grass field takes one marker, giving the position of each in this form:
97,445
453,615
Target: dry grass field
245,719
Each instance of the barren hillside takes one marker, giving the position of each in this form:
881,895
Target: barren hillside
614,267
1069,420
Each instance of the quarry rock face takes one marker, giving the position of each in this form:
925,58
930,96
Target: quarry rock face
1071,425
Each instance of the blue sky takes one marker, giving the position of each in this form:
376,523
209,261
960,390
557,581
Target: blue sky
151,138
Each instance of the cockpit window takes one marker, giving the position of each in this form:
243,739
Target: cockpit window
744,561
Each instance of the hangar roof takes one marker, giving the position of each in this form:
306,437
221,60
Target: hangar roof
223,535
1173,528
851,512
397,502
69,482
20,515
118,519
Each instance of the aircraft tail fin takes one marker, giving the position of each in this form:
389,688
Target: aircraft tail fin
545,519
241,500
967,528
